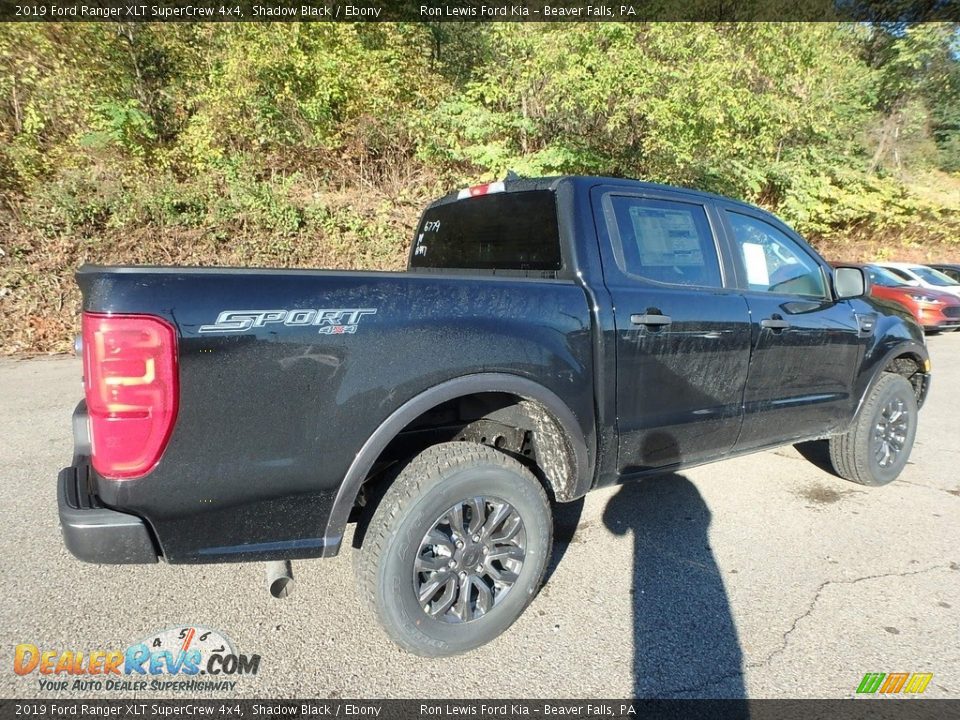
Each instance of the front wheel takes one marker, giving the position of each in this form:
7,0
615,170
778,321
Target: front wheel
456,549
876,449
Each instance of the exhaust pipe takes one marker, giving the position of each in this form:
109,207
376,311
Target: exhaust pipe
280,578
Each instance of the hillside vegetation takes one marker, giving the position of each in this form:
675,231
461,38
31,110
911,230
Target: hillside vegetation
317,144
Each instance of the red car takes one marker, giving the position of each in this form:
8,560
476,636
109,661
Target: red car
933,310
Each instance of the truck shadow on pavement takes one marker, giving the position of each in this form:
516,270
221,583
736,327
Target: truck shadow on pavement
684,638
818,453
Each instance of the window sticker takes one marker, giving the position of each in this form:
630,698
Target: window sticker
666,237
755,259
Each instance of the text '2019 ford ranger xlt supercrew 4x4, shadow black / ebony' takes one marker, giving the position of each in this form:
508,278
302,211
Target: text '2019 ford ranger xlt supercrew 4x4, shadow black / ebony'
549,337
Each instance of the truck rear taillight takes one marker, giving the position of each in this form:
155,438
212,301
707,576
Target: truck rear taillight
131,383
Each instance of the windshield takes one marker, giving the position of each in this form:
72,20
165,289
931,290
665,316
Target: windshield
934,277
883,277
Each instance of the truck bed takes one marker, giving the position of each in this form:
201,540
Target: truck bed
275,404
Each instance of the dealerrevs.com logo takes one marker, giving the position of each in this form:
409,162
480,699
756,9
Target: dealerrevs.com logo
183,659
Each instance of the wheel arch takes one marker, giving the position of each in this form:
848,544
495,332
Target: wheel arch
908,359
567,468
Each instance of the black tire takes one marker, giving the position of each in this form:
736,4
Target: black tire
424,498
858,455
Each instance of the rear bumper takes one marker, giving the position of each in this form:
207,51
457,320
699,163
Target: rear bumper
94,533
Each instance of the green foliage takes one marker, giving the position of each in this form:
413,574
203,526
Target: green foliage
271,88
756,111
124,124
796,116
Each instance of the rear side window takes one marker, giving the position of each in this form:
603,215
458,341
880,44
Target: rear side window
501,231
666,241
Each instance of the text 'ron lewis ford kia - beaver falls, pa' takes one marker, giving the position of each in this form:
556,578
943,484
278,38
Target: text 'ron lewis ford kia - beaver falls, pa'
550,336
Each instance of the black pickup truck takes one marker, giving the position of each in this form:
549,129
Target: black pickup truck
550,336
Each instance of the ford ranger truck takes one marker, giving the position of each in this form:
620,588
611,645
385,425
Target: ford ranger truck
548,337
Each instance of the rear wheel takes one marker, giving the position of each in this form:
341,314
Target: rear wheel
456,549
876,449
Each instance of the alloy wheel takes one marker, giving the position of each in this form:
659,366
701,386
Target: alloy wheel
469,560
890,432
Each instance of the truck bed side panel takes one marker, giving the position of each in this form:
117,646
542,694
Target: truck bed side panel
271,417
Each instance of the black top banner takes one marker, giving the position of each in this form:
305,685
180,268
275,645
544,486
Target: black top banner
890,11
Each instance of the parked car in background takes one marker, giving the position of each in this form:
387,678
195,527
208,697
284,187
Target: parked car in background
922,276
933,310
951,270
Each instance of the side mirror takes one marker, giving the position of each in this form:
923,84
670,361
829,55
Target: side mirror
849,282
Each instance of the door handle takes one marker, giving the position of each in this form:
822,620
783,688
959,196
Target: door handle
774,323
650,320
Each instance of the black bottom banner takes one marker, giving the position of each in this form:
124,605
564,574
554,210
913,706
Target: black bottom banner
486,709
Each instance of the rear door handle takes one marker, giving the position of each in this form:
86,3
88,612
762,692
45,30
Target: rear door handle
774,323
650,320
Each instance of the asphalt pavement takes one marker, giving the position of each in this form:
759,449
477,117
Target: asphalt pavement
762,576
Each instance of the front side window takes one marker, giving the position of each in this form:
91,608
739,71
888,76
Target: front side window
902,275
883,277
665,241
774,262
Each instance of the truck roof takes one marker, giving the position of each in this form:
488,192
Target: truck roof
581,182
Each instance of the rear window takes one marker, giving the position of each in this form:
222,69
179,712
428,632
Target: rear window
502,231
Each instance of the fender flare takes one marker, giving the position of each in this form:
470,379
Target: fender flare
904,348
431,398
